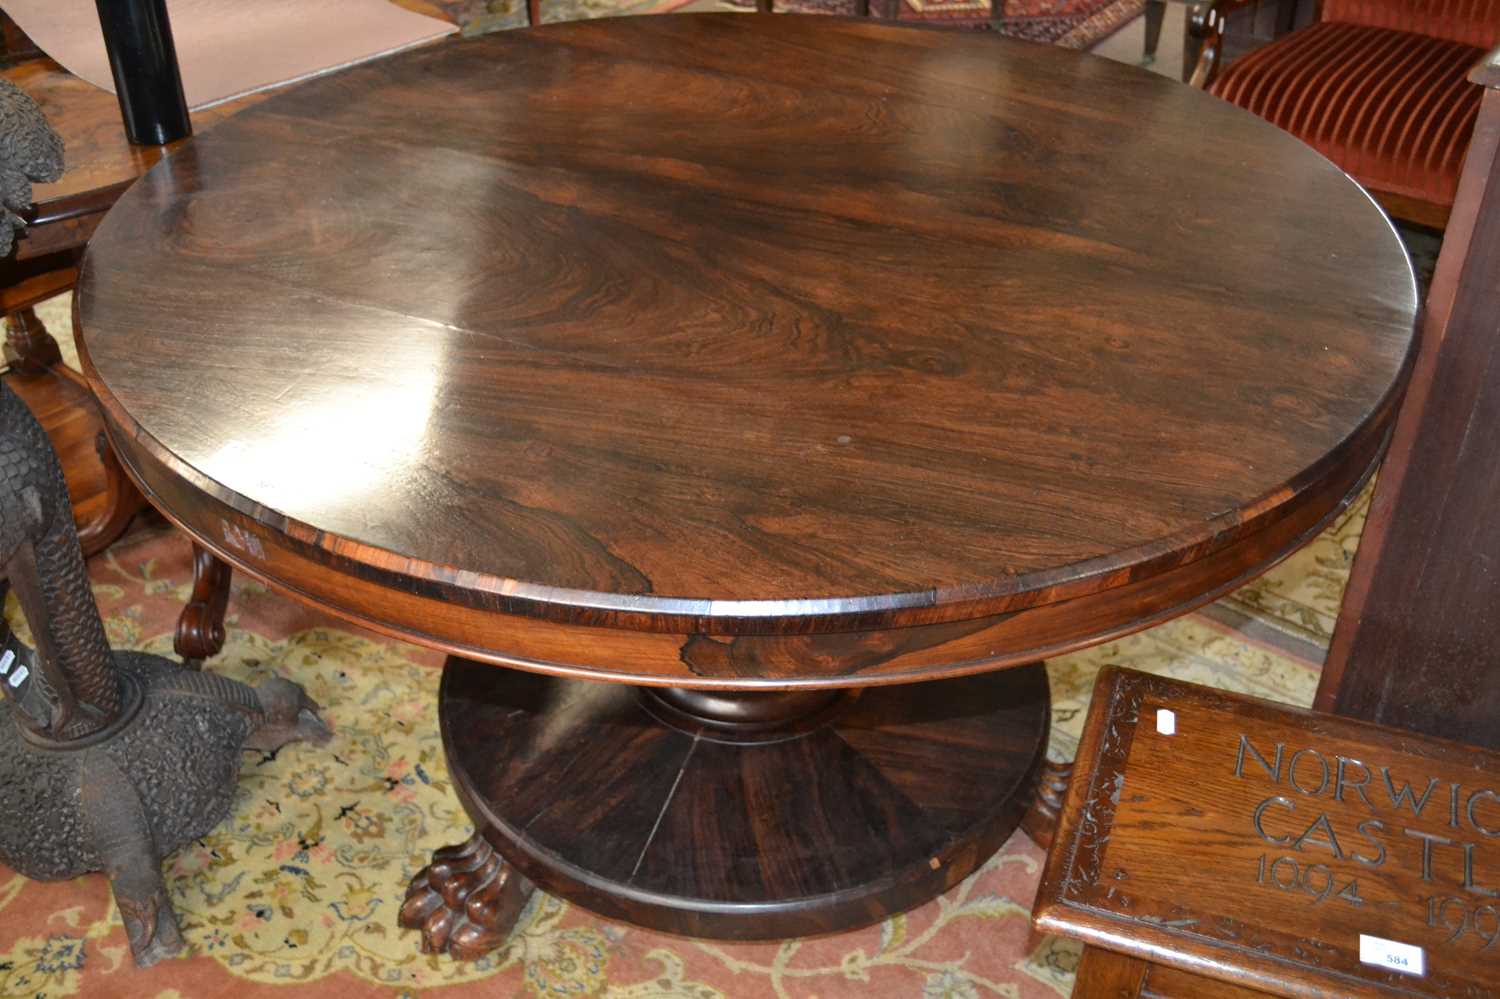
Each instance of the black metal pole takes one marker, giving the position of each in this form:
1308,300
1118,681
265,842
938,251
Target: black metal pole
138,38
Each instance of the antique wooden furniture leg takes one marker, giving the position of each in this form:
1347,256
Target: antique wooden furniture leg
1156,13
1416,641
103,497
200,628
466,901
1040,821
114,758
110,511
743,816
28,344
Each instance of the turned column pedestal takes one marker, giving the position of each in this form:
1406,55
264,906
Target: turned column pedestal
738,815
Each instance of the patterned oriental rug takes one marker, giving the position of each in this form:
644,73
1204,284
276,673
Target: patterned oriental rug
295,896
1076,24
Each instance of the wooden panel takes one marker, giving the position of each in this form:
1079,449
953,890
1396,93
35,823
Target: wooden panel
1417,642
1103,974
1258,843
1163,982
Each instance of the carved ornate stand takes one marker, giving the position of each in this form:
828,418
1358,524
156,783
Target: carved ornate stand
108,760
734,815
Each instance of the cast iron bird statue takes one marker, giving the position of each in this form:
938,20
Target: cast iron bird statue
108,760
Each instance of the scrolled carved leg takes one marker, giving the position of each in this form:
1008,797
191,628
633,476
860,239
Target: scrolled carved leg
466,901
122,500
1051,788
28,345
200,629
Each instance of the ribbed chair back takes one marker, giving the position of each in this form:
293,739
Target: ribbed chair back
1469,22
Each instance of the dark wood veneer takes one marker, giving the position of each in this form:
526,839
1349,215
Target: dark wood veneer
893,796
752,342
630,648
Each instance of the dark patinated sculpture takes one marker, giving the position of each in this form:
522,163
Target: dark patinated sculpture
113,758
29,151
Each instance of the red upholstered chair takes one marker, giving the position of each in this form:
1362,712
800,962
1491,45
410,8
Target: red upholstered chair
1377,86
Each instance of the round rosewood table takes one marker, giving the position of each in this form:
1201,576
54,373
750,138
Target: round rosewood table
747,404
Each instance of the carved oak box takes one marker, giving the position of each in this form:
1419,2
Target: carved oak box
1277,849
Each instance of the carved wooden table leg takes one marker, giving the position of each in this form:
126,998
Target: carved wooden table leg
104,499
728,814
466,901
28,345
120,501
1052,786
200,629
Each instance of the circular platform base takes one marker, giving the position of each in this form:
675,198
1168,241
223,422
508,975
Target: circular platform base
869,805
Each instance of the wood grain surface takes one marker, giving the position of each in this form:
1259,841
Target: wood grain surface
1257,843
725,325
1418,614
887,798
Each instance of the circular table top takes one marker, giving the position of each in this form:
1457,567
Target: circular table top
731,324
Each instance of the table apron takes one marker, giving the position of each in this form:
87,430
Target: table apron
830,659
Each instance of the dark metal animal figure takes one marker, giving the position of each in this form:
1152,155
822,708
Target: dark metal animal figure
29,151
108,760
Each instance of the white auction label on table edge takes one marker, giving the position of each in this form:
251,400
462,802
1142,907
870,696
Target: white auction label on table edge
1391,955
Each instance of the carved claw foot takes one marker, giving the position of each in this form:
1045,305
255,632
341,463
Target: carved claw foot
1040,821
200,629
466,901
